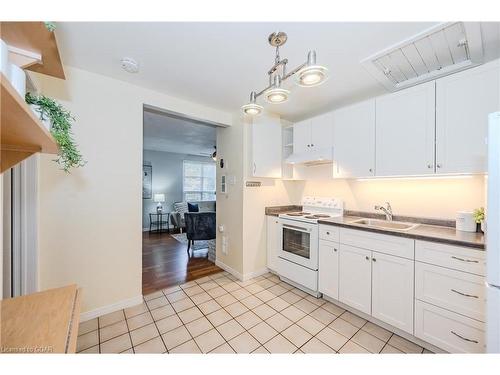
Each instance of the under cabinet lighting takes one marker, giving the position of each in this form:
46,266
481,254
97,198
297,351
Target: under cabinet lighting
449,177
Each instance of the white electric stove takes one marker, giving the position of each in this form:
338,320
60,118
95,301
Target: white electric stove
299,241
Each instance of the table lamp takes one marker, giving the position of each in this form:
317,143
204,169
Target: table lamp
159,198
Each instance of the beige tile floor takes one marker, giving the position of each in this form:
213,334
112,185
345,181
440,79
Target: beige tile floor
218,314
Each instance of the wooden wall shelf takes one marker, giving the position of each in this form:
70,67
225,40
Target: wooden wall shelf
22,133
35,38
41,322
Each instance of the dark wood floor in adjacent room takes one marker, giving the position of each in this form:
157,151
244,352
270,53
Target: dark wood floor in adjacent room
165,263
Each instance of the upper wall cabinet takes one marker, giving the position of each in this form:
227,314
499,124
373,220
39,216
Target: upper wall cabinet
354,141
463,102
266,147
405,125
313,134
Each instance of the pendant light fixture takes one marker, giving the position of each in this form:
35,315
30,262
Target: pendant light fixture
308,74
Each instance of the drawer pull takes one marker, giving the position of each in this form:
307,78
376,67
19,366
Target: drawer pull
464,294
465,260
464,338
334,249
328,233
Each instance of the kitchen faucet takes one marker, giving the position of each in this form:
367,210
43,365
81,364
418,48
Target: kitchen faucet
387,211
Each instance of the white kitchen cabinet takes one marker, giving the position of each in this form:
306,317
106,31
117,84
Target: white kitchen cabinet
266,147
392,290
313,134
463,102
329,268
354,140
405,125
301,136
355,278
322,132
273,242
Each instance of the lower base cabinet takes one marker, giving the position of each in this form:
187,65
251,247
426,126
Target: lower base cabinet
329,268
392,290
355,277
273,242
447,330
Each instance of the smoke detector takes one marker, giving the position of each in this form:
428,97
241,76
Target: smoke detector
129,65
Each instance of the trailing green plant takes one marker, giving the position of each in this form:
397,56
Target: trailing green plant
478,215
61,120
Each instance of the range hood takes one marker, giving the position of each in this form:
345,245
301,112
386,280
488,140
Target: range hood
312,157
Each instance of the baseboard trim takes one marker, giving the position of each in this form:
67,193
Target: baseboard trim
232,271
238,275
88,315
258,273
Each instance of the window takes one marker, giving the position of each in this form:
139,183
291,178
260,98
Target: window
198,181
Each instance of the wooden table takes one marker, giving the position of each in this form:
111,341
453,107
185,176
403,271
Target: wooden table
43,322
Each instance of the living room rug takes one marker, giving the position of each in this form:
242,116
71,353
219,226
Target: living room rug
198,245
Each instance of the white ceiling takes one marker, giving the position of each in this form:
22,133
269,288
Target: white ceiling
170,134
218,64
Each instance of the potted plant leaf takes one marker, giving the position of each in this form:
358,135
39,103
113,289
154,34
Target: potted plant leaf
479,217
59,121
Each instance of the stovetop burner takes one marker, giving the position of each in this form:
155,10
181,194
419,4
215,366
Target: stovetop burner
318,216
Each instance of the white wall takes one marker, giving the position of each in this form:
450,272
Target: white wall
90,220
167,179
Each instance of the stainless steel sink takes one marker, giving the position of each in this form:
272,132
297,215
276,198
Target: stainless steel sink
384,224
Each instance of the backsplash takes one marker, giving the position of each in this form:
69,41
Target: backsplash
437,197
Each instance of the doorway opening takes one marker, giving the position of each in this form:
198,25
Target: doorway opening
179,199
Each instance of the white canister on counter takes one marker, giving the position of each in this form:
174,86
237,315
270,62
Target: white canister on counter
18,79
4,59
466,221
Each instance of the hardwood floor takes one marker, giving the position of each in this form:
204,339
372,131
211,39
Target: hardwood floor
165,263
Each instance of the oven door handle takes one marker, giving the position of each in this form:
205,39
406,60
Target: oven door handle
300,229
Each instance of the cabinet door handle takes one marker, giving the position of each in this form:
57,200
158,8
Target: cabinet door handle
464,294
464,260
334,249
328,233
367,257
254,167
429,166
312,145
370,170
438,165
465,338
374,259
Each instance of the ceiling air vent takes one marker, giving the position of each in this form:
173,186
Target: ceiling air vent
438,51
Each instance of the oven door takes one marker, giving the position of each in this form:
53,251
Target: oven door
299,243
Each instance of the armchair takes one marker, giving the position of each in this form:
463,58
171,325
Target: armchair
199,226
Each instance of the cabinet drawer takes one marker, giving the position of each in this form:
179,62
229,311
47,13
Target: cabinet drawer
447,330
329,233
453,290
449,256
387,244
298,274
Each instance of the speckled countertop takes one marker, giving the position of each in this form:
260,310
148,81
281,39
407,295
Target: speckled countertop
436,233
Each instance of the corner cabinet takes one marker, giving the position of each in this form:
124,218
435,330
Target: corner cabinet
405,132
354,125
266,147
463,102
